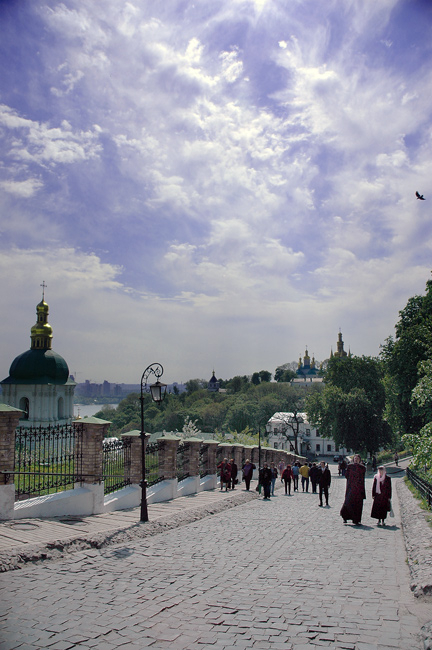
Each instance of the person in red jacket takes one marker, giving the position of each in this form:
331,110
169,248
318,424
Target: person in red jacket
287,476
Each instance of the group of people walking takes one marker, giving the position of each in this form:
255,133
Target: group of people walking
319,476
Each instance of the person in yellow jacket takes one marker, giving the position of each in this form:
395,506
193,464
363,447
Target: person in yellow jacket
304,473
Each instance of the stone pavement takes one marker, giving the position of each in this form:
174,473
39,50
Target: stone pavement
34,540
282,574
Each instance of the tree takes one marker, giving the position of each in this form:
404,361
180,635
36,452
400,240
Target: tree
350,408
190,429
292,422
401,357
284,374
194,384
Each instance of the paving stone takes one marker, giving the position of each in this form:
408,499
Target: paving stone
168,591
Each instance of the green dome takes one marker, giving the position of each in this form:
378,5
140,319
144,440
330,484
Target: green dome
38,367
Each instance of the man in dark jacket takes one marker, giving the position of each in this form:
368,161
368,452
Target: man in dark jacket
265,480
234,471
324,483
314,474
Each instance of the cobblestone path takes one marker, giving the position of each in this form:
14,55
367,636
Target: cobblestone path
268,575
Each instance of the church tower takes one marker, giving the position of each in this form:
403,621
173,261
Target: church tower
38,381
340,352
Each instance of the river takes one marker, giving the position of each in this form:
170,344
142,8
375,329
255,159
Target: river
87,410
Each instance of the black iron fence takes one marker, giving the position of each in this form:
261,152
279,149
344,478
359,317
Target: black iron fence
116,464
47,460
422,485
152,464
181,458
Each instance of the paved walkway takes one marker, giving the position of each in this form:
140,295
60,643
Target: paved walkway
43,535
277,575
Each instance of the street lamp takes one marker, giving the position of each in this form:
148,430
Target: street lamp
158,392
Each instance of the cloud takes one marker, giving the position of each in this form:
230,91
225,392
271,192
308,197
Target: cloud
25,189
189,177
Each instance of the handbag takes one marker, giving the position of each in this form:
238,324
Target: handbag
391,513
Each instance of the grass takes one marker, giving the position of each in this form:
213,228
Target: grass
422,501
386,455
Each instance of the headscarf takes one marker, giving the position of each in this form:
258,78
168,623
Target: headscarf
380,479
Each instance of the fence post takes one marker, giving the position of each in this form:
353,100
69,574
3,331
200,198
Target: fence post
209,456
168,456
191,464
135,471
94,431
9,419
237,452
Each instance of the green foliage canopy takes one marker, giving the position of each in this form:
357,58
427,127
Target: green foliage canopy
350,408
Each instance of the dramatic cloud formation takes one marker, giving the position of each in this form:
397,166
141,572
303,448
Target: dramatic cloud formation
212,185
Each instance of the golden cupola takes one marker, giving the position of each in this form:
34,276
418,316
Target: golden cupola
41,333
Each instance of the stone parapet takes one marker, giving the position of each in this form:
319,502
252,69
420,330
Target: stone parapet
191,463
136,453
89,446
168,456
9,420
209,449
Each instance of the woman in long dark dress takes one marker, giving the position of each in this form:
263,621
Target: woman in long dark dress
355,492
381,494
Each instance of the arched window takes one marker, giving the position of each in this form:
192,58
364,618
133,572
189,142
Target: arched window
24,405
60,408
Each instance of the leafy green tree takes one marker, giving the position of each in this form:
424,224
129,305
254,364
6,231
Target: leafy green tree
284,375
351,406
194,384
403,354
237,384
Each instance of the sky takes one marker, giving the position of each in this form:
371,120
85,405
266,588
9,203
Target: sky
212,185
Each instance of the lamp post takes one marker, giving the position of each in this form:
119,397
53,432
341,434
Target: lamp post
158,392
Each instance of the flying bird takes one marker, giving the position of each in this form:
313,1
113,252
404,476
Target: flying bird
420,196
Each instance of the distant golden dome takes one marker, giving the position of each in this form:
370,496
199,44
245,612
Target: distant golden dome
42,306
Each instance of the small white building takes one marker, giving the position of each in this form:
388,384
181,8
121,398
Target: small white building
282,428
38,381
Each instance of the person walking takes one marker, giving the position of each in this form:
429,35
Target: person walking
355,491
324,483
396,459
281,467
296,472
225,474
343,466
287,477
234,472
248,469
381,494
304,471
314,474
265,480
274,477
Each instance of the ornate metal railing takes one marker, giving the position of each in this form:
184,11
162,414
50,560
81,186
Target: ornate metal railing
116,464
47,460
152,464
423,486
181,457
